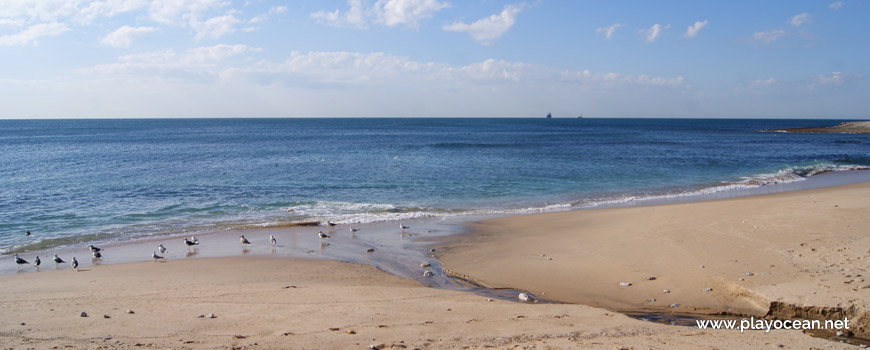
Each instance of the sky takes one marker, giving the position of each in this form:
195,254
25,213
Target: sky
434,58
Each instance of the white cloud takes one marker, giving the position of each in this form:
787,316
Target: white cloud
800,19
762,83
693,30
280,10
168,62
836,78
390,13
31,35
355,17
769,36
407,12
215,27
653,33
488,29
608,31
836,5
107,8
123,37
179,12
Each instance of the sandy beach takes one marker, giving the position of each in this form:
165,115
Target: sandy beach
280,303
801,253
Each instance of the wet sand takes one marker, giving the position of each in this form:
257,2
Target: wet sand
281,303
806,250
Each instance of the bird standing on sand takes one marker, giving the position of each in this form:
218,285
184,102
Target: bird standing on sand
353,230
37,262
58,260
75,263
322,235
161,249
95,249
272,240
244,240
97,254
155,256
20,261
403,227
331,224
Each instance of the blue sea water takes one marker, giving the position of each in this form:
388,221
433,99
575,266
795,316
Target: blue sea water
92,180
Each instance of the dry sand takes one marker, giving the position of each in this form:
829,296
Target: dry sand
272,303
807,251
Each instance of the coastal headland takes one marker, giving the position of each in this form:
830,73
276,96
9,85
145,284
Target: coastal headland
862,127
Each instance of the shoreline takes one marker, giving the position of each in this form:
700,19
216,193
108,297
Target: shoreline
432,226
789,253
797,178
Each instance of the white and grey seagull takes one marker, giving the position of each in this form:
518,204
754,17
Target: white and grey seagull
95,249
20,261
403,227
353,230
272,240
75,264
331,224
155,256
244,240
58,260
161,249
37,262
322,235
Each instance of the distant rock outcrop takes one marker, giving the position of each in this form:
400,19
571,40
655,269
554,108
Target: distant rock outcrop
845,127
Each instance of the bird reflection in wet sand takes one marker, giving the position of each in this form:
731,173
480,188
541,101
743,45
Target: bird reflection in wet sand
190,253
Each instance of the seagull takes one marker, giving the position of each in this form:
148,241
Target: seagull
322,235
353,230
161,248
244,240
155,256
95,249
58,260
37,262
20,261
194,239
75,263
190,243
403,227
330,223
273,240
97,254
27,233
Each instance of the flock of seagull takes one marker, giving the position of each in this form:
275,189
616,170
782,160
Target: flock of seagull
189,242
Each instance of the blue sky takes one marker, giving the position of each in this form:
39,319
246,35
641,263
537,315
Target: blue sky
396,58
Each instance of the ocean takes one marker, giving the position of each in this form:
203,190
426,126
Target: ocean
77,181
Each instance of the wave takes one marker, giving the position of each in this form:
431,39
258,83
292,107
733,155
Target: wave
312,213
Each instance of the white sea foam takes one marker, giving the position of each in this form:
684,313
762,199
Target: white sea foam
355,213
